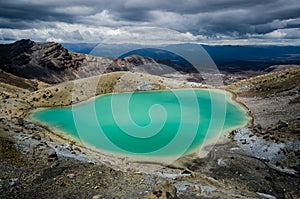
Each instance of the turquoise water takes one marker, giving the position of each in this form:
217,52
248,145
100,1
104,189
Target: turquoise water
156,123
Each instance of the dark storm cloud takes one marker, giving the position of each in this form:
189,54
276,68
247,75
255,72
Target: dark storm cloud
232,18
21,13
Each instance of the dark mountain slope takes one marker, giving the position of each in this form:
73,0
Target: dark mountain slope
48,62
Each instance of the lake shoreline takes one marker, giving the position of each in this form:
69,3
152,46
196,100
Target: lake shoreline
208,144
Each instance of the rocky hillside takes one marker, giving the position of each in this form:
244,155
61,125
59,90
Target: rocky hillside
52,63
271,97
7,79
48,62
268,84
137,63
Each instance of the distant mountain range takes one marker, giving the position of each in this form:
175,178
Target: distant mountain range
227,58
236,58
84,48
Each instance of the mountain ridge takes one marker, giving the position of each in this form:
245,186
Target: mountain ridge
48,62
52,63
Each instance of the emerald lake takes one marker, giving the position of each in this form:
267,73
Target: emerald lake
147,124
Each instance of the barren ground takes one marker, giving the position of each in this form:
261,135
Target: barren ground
257,162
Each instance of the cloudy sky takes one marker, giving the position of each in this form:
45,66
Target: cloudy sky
152,21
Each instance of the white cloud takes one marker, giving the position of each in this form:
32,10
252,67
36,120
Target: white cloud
276,34
75,10
63,32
